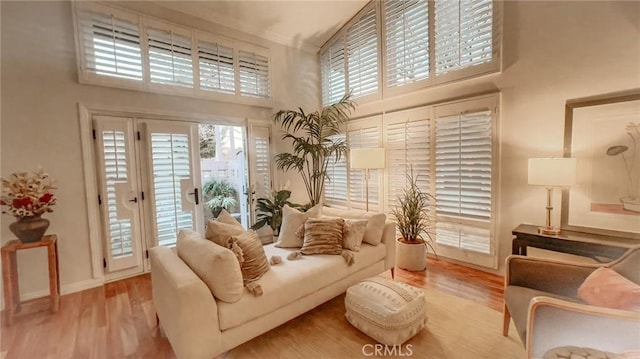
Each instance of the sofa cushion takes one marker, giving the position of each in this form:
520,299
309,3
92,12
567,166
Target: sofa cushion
322,236
216,266
253,261
353,233
375,222
221,233
289,281
517,300
605,287
292,219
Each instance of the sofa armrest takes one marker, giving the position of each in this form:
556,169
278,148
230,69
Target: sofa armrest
389,241
186,308
553,276
556,323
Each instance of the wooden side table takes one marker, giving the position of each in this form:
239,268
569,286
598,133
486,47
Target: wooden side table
10,274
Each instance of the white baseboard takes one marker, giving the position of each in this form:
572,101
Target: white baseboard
65,289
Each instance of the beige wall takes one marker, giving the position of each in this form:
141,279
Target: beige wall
40,126
552,52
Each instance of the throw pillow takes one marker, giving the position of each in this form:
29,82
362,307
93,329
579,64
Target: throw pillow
605,287
375,222
220,233
353,233
227,218
252,258
216,266
291,221
323,236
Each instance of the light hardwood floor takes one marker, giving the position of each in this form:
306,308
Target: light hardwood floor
118,320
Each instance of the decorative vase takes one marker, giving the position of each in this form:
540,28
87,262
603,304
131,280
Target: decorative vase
29,229
411,256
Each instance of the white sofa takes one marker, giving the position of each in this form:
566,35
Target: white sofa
200,326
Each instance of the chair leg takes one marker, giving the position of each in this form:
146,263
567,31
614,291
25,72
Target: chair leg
393,273
506,321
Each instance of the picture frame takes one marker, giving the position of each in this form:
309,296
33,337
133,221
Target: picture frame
603,134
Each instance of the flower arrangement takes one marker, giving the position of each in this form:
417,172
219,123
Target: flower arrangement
28,195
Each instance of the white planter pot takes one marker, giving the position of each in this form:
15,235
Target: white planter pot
412,257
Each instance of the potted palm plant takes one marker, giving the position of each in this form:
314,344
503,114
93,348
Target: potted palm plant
316,142
269,210
414,223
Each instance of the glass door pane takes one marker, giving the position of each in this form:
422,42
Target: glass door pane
223,164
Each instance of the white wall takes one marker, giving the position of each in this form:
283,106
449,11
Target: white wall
552,52
40,126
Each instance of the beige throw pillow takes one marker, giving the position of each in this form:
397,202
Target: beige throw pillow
220,233
292,219
353,233
227,218
375,222
252,258
216,266
323,236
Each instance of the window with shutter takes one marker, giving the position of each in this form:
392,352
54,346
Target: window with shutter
407,136
335,188
463,34
362,55
464,180
365,133
110,43
170,61
333,73
407,41
254,74
216,66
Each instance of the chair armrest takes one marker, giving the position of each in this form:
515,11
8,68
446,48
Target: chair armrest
389,241
553,323
187,310
553,276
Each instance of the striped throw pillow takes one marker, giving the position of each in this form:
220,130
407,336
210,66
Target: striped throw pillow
253,260
322,236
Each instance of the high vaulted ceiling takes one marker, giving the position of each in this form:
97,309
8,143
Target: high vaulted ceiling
305,24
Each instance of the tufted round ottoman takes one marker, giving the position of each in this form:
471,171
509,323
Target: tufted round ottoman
388,311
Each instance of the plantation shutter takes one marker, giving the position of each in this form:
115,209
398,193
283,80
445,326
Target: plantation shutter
118,183
364,135
335,188
170,57
408,147
260,160
254,74
407,41
463,170
109,43
173,179
333,73
362,55
216,64
463,34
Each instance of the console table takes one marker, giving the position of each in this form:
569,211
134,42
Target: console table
599,247
10,274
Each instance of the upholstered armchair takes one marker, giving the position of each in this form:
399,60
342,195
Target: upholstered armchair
541,297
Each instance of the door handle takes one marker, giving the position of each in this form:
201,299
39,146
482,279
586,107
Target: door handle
196,198
134,200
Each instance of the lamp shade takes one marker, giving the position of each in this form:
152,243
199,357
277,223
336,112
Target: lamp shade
367,158
553,172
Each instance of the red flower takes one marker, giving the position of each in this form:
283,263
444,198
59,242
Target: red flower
46,198
26,201
17,203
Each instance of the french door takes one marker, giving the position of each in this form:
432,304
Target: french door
149,184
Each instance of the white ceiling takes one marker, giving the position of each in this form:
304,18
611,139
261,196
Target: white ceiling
305,24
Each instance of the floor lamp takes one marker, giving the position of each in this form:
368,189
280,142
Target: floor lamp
551,173
367,159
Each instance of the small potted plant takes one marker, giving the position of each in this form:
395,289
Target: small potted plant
414,222
27,197
269,210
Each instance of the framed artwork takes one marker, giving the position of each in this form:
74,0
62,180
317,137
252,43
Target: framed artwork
603,134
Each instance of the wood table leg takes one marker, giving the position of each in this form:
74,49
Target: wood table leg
53,277
8,287
14,281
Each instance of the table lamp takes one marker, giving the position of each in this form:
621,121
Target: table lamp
551,172
367,159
